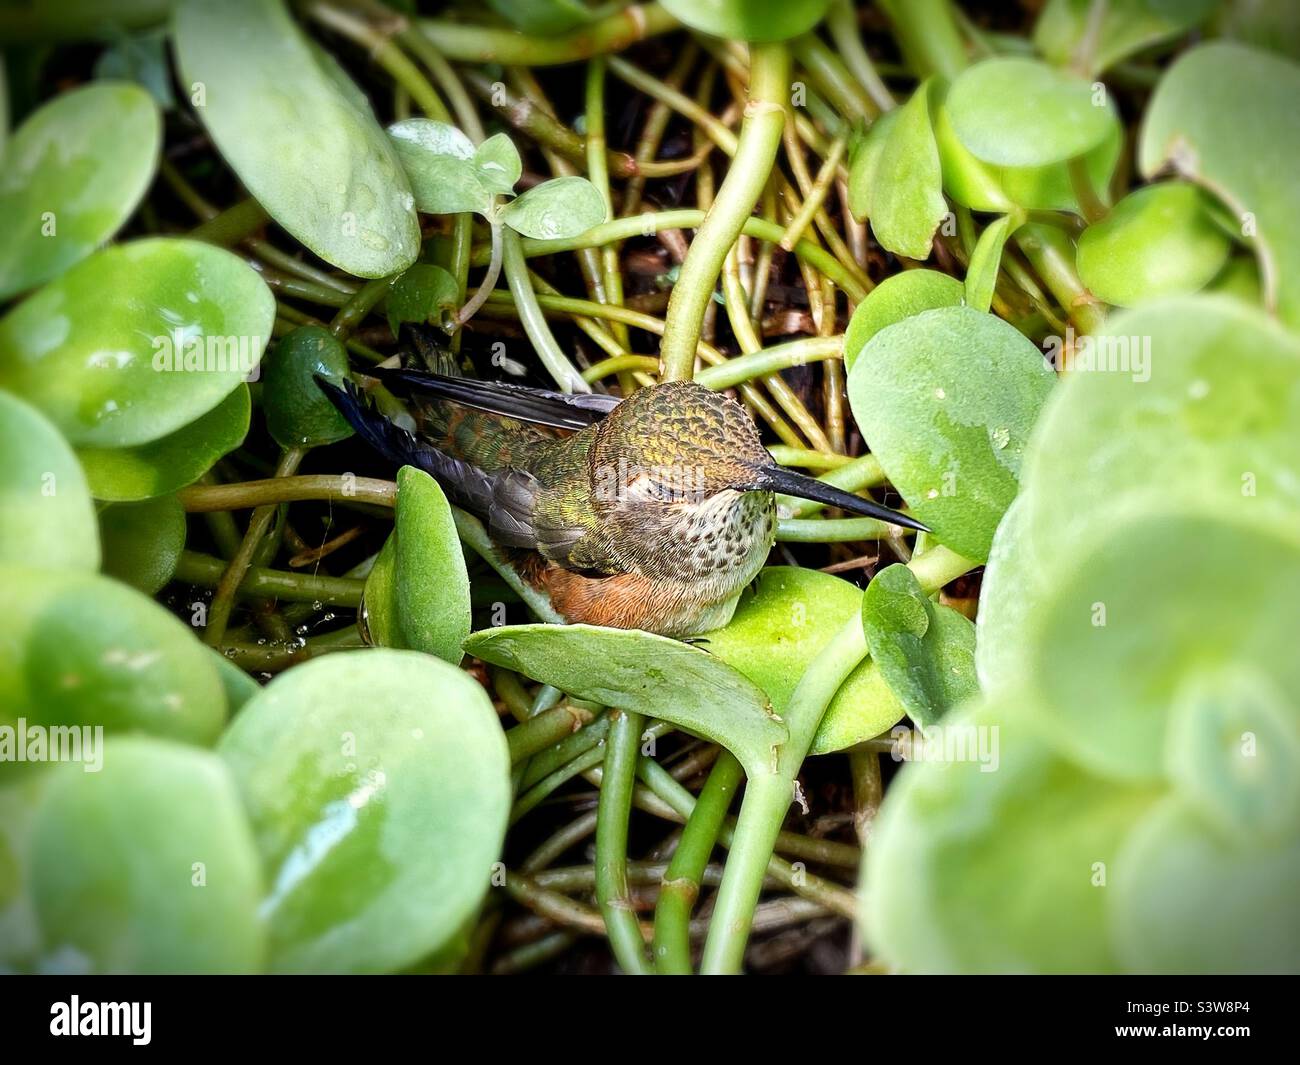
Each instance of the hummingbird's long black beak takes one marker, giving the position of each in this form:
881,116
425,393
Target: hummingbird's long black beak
778,479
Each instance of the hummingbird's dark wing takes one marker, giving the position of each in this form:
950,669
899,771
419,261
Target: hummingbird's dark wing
535,405
504,498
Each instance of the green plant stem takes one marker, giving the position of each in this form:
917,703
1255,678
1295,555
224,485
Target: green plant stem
770,360
802,457
275,657
681,882
830,530
445,74
833,79
760,137
1051,253
489,279
650,222
262,583
361,304
547,728
622,750
938,566
598,173
471,532
223,598
200,498
465,43
232,225
767,798
842,21
928,36
534,321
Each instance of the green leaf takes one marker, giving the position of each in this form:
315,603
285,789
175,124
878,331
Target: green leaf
985,187
1012,111
378,785
778,631
298,413
20,933
985,261
1233,754
895,298
557,209
1193,901
137,341
420,295
864,164
140,58
906,201
1012,586
1224,115
1066,31
1188,403
499,165
749,20
318,162
634,670
143,541
417,594
946,400
973,861
1157,601
926,652
79,19
439,162
74,173
86,650
170,462
46,516
1158,241
147,866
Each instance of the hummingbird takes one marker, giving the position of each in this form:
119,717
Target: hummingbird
652,512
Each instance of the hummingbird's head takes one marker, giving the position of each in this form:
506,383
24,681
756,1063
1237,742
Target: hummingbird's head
680,445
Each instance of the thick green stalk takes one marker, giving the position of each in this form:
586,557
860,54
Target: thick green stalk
767,798
927,35
770,360
681,883
760,137
621,925
465,43
534,321
259,582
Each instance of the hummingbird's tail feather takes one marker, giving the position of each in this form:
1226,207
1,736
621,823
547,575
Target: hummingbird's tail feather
502,498
537,406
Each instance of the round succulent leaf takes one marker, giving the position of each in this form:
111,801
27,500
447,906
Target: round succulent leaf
895,298
20,933
1187,899
1140,612
138,340
982,186
1233,753
777,633
1191,401
925,651
143,541
749,20
47,518
1068,32
421,294
973,859
378,786
1224,116
417,594
633,670
906,196
298,413
499,165
555,210
946,400
306,149
1014,111
864,164
438,160
74,172
81,649
1157,241
123,474
147,866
